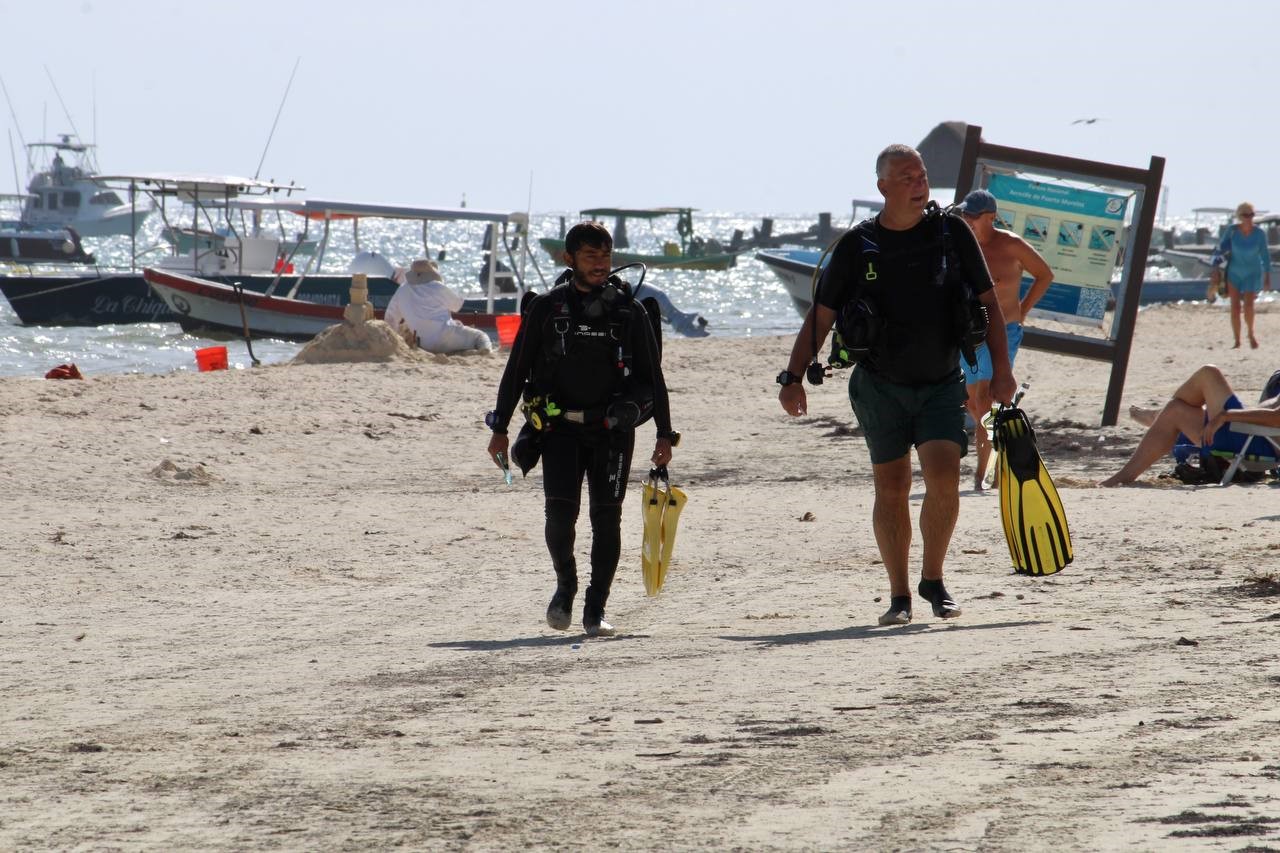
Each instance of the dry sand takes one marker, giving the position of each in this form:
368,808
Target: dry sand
295,607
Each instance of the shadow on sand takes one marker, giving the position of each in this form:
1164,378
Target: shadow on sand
872,632
530,642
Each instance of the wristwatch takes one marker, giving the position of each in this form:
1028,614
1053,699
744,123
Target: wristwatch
786,378
491,421
672,436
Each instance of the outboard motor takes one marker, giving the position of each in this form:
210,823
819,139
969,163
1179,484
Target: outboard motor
371,264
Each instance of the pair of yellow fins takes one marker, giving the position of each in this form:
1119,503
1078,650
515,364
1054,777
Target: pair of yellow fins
661,504
1035,524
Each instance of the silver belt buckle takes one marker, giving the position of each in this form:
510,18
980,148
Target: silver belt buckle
575,416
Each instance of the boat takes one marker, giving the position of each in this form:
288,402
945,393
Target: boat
56,295
205,304
691,253
794,267
25,244
64,192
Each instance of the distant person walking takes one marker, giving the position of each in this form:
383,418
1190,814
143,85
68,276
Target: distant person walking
1243,249
1008,258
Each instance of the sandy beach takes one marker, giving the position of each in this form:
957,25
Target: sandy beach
296,608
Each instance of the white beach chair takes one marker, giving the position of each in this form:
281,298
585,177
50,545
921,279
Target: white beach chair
1258,437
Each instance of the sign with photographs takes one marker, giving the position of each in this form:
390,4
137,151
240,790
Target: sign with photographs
1077,231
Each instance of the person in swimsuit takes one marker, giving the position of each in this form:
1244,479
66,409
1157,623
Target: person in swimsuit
1008,258
1201,408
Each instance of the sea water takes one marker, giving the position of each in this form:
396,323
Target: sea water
747,299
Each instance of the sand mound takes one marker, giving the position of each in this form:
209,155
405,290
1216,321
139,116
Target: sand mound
372,341
170,472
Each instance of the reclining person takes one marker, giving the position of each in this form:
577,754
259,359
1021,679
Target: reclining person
423,305
1201,408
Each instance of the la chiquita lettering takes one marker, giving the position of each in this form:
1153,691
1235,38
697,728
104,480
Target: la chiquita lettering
152,308
105,305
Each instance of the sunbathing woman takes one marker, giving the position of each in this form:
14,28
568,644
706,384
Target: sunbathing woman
1201,409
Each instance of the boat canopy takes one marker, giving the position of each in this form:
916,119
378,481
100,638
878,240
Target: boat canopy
326,209
65,145
636,212
189,185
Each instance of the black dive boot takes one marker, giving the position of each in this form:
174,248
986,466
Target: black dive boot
560,610
593,615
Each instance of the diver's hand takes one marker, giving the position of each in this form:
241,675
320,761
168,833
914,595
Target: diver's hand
793,399
661,452
1003,386
498,444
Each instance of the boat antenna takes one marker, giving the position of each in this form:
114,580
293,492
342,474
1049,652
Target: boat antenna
14,158
288,86
63,103
528,252
9,101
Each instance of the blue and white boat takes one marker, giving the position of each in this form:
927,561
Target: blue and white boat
794,267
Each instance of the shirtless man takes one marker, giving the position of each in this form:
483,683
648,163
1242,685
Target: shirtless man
1008,257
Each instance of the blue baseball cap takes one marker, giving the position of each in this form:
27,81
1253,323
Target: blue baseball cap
977,203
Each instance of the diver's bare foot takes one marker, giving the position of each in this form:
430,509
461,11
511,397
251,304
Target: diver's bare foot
1146,417
1236,345
1253,342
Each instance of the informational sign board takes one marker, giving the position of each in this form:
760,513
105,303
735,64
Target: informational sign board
1077,231
1042,197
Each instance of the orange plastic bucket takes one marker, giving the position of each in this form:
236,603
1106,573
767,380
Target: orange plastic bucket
212,358
508,325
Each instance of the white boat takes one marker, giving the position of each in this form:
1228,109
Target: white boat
206,305
202,303
62,193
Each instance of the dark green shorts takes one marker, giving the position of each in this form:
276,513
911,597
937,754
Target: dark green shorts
895,417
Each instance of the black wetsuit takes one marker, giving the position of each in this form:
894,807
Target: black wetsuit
569,349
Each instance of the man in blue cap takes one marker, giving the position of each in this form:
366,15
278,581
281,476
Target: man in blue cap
1009,258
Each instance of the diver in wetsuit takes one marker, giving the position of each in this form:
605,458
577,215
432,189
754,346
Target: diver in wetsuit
586,365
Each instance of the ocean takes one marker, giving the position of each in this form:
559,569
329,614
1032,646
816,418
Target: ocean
745,300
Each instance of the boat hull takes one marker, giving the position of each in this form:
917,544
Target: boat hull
101,299
720,261
41,245
202,305
794,267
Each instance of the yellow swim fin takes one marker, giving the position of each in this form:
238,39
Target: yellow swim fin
653,505
670,521
1034,521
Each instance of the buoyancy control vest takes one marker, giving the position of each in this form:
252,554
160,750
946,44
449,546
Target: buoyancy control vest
585,371
860,327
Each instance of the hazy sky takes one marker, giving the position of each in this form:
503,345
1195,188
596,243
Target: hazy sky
735,106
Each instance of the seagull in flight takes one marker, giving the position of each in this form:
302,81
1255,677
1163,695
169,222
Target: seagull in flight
1086,120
